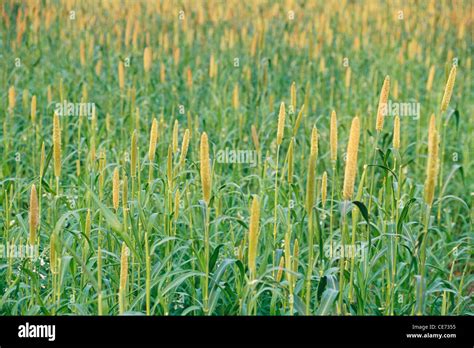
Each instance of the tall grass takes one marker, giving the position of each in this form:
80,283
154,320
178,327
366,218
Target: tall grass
279,181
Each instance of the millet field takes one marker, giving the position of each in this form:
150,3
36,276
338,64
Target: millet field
236,157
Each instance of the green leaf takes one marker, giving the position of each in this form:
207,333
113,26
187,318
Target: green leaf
420,295
179,280
299,304
387,155
327,301
113,222
385,168
190,309
363,210
404,214
382,156
242,223
451,113
214,257
151,221
322,286
241,268
110,217
61,221
46,163
450,176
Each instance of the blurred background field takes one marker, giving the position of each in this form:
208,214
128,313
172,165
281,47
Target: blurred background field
224,68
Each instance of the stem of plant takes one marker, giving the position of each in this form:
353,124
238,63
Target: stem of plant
423,256
206,261
275,209
441,161
331,218
342,257
310,262
148,274
372,181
